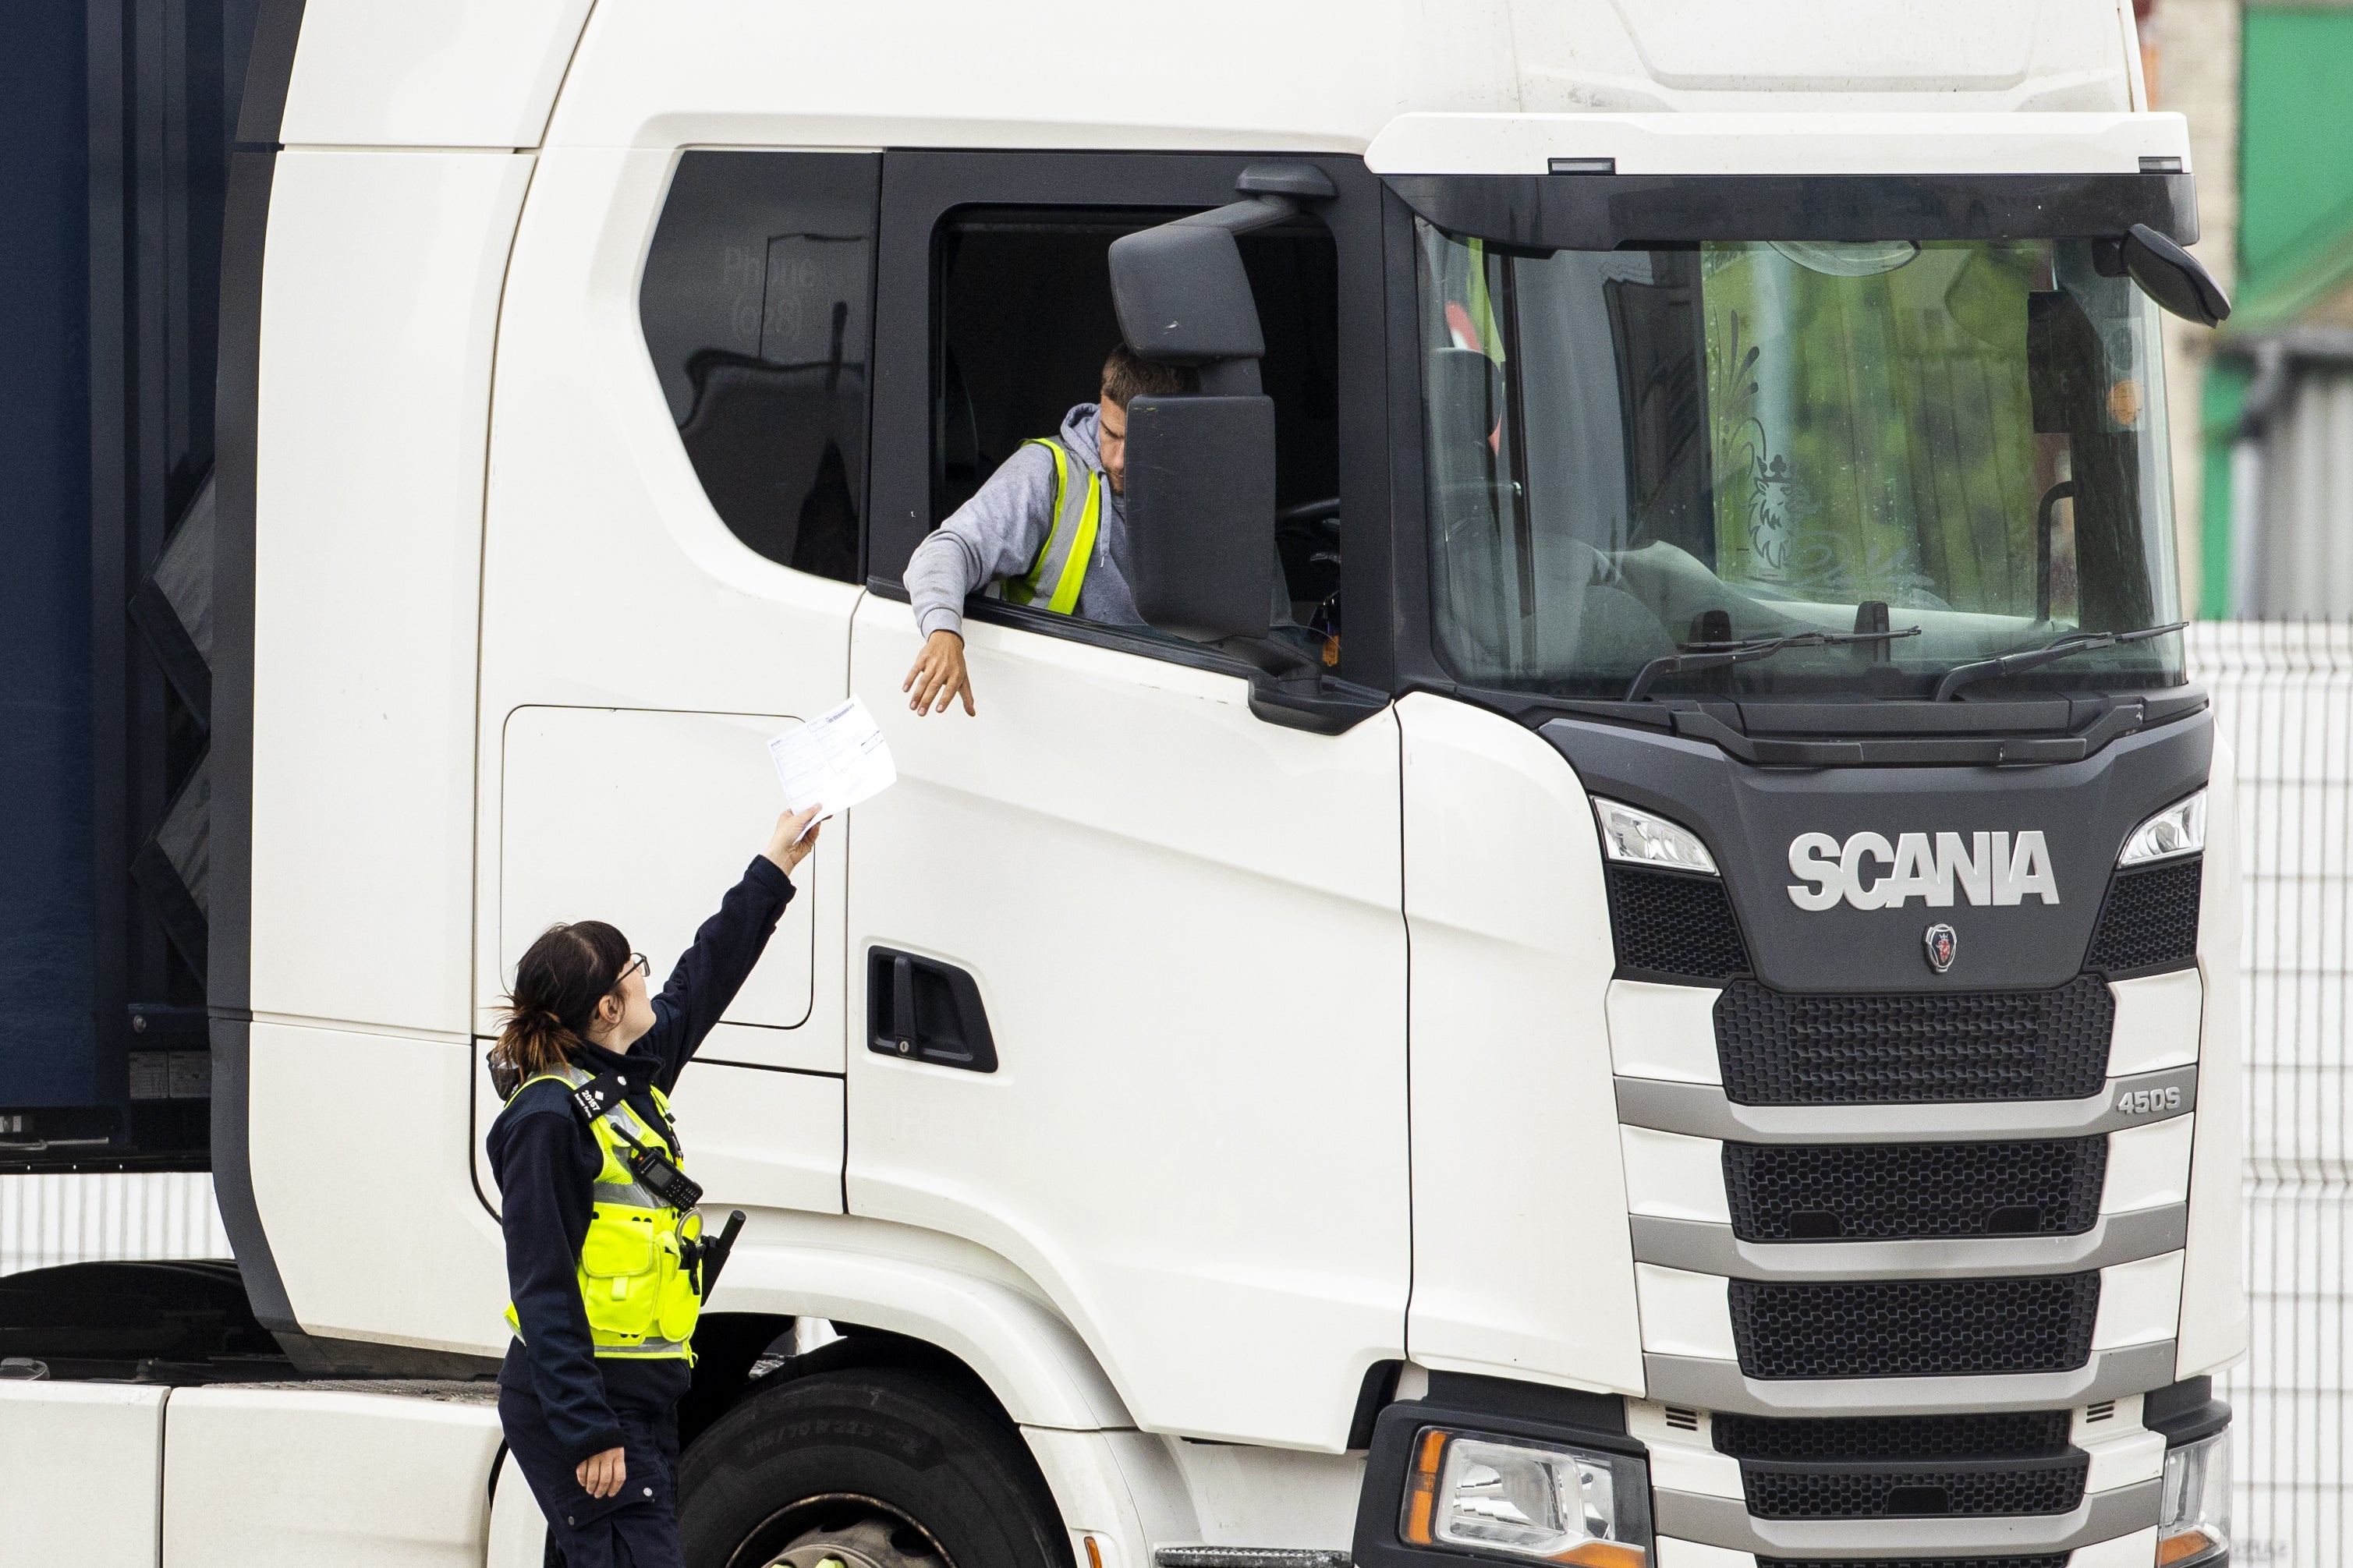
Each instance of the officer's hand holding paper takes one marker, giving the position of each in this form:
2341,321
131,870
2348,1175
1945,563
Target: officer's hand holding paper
838,757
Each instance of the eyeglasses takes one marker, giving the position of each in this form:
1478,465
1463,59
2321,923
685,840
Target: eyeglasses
636,965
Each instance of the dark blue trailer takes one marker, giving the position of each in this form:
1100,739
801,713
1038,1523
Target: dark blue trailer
117,120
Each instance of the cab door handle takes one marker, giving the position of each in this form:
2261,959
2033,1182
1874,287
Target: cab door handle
921,1009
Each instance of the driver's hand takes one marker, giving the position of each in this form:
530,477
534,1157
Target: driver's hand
939,676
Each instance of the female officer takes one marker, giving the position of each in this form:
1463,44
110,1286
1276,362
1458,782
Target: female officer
603,1269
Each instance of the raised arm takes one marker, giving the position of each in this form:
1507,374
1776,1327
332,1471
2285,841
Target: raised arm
995,535
714,966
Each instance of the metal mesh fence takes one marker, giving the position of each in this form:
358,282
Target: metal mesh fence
2283,703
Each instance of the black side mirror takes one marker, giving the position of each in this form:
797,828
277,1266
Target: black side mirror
1200,469
1200,514
2172,277
1180,291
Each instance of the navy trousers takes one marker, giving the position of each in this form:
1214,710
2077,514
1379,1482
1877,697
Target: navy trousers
637,1529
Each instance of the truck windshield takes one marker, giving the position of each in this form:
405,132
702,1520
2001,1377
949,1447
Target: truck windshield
1634,451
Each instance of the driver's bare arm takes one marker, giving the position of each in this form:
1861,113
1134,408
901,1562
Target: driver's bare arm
938,676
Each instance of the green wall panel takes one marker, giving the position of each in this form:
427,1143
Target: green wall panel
2296,140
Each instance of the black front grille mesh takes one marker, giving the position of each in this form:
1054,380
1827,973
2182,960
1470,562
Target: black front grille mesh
1881,1440
1915,1328
1782,1048
1866,1467
1671,923
1881,1192
2150,918
2044,1486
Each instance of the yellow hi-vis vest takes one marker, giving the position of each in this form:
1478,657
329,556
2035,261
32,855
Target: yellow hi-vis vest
635,1280
1054,579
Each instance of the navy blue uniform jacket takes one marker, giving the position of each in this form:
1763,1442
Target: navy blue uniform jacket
545,1161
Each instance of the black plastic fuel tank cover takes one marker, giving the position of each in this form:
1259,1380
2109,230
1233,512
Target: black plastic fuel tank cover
1750,816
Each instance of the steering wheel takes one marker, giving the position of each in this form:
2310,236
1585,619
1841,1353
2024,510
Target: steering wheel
1310,532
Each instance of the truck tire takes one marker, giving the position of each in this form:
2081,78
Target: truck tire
871,1467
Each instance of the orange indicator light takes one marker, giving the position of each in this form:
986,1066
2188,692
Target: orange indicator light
1604,1554
2188,1543
1423,1498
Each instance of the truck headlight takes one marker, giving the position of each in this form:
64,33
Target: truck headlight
2194,1523
1639,839
1527,1499
2178,829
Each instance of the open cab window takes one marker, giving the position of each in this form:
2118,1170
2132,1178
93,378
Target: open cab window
1634,451
1025,318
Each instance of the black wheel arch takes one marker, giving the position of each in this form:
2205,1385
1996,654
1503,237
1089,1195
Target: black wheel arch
728,1346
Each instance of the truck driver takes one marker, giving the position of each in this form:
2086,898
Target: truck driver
1048,525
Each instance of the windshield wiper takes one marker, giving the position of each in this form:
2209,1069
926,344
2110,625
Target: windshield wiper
2067,647
1716,655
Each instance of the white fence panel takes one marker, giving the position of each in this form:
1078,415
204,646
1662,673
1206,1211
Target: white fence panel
2283,700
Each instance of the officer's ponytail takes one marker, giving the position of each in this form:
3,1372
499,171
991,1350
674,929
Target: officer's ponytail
558,983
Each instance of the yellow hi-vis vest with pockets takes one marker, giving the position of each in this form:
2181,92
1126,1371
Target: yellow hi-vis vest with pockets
636,1280
1054,579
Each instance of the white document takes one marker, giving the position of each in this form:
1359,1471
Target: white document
836,760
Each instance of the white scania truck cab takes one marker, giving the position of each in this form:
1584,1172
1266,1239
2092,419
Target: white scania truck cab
1677,1009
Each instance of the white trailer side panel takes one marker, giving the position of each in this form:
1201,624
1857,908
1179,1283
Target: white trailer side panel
82,1461
291,1478
51,1217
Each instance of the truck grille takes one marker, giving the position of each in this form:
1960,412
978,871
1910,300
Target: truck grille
1879,1440
1673,924
1863,1466
2150,918
2042,1485
1881,1192
1913,1327
1779,1047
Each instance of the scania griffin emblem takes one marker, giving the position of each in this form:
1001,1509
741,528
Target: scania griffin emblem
1940,942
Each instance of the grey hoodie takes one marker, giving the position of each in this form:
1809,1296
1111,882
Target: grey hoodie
999,531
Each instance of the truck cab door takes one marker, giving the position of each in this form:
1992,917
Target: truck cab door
1175,925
